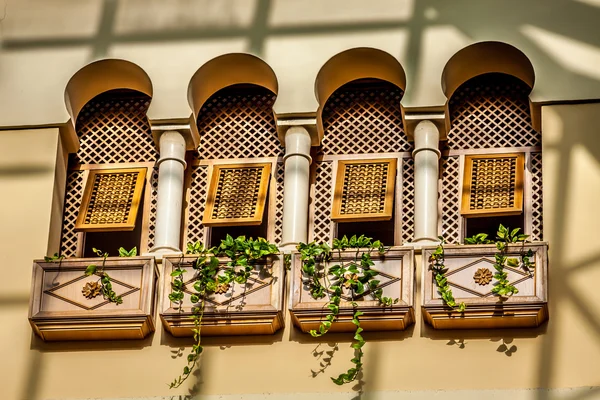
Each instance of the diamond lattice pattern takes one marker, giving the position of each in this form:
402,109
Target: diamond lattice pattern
491,111
536,197
449,199
364,120
74,193
322,202
113,128
242,119
408,200
197,202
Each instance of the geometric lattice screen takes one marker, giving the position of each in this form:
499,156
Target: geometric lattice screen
364,190
241,118
493,185
111,200
113,128
491,111
237,194
363,119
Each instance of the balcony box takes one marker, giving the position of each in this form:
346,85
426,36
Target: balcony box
58,309
256,309
396,276
528,308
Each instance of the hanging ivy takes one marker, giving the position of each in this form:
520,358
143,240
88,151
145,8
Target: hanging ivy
243,256
326,273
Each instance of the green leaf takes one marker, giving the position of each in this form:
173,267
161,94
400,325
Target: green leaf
90,270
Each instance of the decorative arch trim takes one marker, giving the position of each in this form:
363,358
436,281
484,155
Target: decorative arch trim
483,58
352,65
228,70
100,77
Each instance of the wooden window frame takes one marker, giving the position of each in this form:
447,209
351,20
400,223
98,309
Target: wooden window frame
257,219
81,226
518,207
336,215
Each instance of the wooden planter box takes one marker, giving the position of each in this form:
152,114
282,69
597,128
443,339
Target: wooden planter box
527,308
58,310
252,309
396,273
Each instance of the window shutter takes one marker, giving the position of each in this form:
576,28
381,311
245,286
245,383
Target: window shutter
237,194
493,185
111,200
364,190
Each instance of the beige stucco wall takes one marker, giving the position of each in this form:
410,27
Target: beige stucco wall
45,42
561,354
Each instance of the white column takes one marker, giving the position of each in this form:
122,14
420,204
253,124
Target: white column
426,155
171,166
296,186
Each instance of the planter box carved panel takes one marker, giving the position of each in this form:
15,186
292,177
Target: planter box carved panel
255,308
396,275
60,310
469,272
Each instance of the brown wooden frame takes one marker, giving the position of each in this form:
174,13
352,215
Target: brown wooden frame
81,226
468,180
207,219
336,216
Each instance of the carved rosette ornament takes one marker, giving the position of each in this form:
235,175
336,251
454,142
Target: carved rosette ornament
482,276
222,288
91,289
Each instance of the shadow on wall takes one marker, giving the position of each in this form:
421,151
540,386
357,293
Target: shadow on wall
560,37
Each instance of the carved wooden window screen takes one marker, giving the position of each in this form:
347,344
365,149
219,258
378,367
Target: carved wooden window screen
111,200
364,190
237,194
493,185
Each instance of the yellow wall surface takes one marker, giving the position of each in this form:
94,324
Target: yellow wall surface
562,353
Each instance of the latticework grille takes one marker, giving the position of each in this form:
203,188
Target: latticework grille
111,200
322,202
408,200
278,227
243,120
450,199
197,202
364,120
536,197
153,205
113,128
74,193
493,185
491,111
237,194
364,190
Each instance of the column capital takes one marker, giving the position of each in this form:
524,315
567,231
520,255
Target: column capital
185,126
411,117
306,121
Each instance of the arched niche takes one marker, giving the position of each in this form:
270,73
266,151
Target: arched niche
103,76
226,71
489,116
354,65
484,58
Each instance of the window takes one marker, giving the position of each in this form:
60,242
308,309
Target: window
111,200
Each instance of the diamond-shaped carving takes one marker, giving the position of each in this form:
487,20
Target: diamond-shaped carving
384,279
67,293
462,277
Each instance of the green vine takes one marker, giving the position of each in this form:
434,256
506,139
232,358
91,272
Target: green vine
243,255
502,288
106,288
437,265
505,236
355,276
